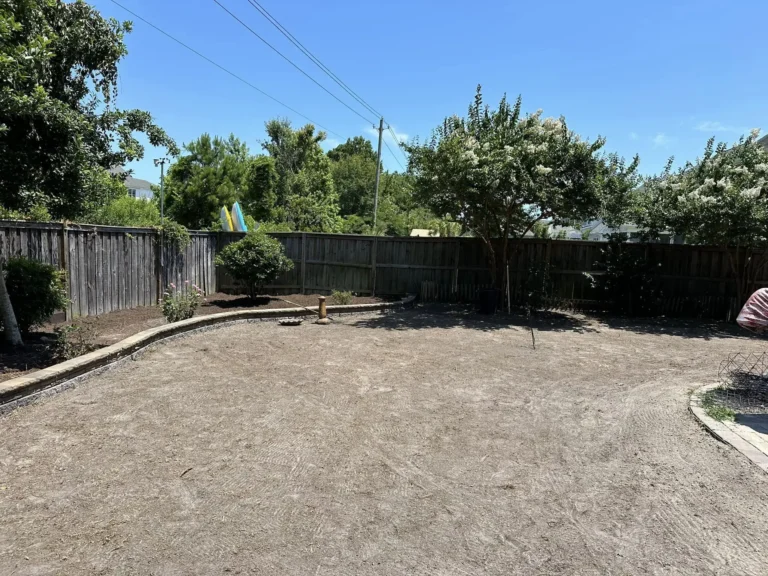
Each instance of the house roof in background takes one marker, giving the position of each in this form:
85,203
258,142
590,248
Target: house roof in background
763,141
130,181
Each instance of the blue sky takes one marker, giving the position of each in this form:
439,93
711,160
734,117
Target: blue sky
655,78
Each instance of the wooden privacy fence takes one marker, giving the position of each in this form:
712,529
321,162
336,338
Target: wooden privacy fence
113,268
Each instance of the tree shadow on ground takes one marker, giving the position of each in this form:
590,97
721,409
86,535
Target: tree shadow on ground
682,327
452,316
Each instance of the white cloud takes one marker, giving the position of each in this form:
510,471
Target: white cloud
329,143
401,136
633,136
661,140
709,126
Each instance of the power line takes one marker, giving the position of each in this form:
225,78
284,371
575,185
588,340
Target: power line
393,156
264,12
399,144
252,31
219,66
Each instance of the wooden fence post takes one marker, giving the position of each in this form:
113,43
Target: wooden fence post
303,262
64,265
374,246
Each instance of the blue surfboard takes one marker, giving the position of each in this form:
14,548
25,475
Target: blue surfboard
237,218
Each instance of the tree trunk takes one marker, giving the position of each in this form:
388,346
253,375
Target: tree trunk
10,327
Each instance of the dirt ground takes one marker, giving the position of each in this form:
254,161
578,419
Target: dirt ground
413,443
115,326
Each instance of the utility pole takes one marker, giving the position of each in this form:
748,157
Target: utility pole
161,162
378,175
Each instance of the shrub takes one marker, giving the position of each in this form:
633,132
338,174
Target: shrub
538,286
126,211
175,234
72,341
178,305
36,290
254,261
341,297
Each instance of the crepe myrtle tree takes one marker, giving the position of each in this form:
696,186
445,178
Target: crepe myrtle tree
721,199
499,172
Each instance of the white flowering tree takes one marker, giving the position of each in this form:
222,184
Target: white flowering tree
720,200
499,172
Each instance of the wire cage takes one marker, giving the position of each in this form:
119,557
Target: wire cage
744,383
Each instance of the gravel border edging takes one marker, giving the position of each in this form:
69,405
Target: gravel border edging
16,389
722,432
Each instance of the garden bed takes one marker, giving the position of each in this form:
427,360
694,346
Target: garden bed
115,326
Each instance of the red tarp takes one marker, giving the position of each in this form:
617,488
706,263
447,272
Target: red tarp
754,315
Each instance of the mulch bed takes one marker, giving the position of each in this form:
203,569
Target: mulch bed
115,326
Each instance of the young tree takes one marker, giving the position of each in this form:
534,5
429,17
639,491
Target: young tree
58,123
720,200
498,173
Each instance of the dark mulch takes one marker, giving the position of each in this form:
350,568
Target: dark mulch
115,326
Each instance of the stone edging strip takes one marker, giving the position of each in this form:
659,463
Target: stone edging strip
17,388
723,433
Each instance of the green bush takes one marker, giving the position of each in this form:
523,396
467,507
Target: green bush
254,261
178,305
341,297
72,341
36,290
538,286
175,234
126,211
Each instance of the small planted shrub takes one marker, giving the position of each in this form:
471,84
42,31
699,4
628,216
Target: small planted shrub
341,297
72,341
178,305
36,290
538,287
254,261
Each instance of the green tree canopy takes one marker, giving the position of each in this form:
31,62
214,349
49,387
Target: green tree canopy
59,128
499,172
213,172
357,146
721,200
304,192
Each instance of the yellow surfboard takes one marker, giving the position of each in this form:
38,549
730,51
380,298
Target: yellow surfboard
226,219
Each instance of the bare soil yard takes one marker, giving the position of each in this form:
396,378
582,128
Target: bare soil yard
115,326
414,443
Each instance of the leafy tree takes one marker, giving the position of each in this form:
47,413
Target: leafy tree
498,173
254,261
126,211
720,200
354,177
212,173
260,194
357,146
304,193
58,123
